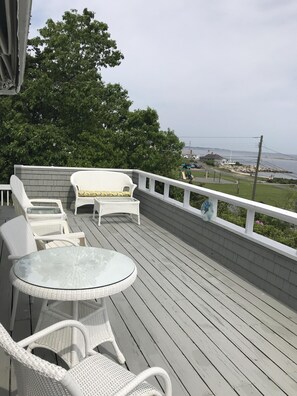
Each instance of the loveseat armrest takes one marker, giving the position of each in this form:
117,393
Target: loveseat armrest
76,189
133,188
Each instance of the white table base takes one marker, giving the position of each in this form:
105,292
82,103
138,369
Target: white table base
93,314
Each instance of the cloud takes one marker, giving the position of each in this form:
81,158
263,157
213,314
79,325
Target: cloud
212,67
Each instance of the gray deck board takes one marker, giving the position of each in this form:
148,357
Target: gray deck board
214,333
241,362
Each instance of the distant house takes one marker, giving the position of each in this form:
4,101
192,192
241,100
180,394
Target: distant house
215,158
227,162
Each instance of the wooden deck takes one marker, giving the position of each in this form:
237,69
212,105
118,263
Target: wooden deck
212,331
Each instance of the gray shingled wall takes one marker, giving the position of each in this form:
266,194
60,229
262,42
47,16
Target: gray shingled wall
271,271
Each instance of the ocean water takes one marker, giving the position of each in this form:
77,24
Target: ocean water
278,162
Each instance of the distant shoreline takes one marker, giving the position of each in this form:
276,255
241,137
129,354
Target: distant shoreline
251,169
280,166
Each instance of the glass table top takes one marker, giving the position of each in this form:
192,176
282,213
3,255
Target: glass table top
44,210
74,268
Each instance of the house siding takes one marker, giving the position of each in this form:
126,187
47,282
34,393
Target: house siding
274,273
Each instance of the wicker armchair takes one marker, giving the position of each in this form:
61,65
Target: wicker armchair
94,375
34,209
20,241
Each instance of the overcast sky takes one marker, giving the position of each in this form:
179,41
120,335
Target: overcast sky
226,69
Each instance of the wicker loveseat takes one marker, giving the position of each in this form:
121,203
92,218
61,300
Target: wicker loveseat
88,185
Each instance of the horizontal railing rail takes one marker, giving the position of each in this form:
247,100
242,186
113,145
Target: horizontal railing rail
5,192
147,183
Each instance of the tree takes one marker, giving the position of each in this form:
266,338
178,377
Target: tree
148,148
64,72
66,115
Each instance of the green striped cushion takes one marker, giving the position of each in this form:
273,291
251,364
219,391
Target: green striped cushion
90,193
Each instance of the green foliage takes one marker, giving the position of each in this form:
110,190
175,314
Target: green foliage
196,200
176,193
232,213
280,233
146,147
270,227
210,162
280,180
66,115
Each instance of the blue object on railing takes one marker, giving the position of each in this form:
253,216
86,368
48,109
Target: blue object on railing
207,210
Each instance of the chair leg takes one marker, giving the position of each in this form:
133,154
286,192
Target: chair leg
15,297
120,356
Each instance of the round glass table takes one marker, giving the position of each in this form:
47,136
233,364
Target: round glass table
82,275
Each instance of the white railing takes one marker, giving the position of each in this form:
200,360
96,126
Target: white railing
147,183
4,190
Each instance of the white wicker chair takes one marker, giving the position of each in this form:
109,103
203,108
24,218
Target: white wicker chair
94,375
20,241
23,205
55,233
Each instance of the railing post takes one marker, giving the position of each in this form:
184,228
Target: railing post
152,185
166,190
187,198
142,181
249,223
215,207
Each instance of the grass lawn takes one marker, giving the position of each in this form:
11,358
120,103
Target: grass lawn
282,196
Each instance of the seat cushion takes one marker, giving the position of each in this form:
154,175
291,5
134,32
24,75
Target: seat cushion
92,193
98,375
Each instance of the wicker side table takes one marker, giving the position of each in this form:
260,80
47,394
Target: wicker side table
109,205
